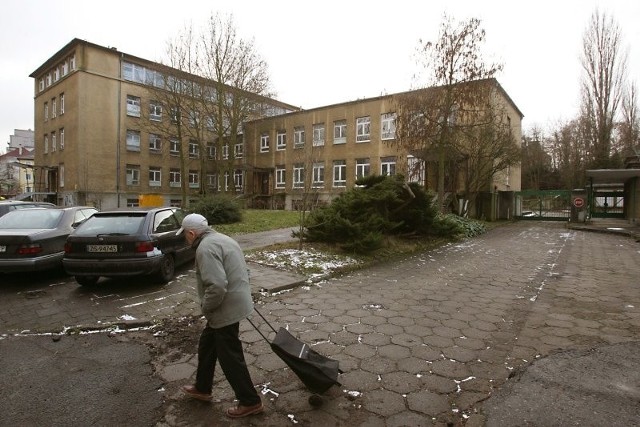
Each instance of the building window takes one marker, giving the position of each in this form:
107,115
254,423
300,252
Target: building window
133,140
388,126
56,74
194,149
238,179
281,177
194,179
46,111
264,143
54,144
133,106
48,80
281,140
155,111
363,129
318,135
175,178
133,175
238,151
61,103
388,166
212,180
61,174
415,170
72,62
65,67
155,177
298,137
41,85
362,168
155,143
298,175
318,175
61,133
339,173
225,152
226,181
340,132
133,203
174,147
212,150
53,108
46,144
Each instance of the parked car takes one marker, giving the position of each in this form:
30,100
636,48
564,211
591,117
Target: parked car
33,239
127,242
7,206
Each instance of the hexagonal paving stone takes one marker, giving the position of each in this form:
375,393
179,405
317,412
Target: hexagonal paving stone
361,351
359,328
408,418
401,382
378,365
439,384
383,402
426,402
375,339
450,369
406,340
360,381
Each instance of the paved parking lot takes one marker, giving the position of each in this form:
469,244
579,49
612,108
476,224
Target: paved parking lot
422,341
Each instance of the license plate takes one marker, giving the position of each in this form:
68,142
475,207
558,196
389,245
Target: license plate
3,249
102,248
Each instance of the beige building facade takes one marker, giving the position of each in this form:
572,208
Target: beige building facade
95,143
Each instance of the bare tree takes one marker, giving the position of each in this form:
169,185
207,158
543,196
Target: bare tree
603,64
629,127
433,121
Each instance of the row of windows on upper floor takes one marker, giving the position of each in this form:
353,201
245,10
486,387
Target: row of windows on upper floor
140,74
56,139
56,105
175,178
60,70
155,144
362,127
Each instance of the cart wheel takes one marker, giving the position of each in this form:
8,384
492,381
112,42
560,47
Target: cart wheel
316,400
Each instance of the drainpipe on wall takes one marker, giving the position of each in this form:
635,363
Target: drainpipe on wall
118,130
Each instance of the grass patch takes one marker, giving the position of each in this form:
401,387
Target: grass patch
257,220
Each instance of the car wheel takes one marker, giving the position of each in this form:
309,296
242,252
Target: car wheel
167,268
87,280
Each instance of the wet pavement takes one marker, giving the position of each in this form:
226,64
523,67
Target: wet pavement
480,332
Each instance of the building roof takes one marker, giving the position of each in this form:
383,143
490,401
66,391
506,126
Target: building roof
612,176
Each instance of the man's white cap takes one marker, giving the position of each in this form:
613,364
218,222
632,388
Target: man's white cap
194,222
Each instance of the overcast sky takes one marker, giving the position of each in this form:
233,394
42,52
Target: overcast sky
327,52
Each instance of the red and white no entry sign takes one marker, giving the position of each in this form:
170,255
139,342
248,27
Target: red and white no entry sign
578,202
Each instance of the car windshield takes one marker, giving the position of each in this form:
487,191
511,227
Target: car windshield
114,224
31,219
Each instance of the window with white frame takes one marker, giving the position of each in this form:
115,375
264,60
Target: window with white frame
46,111
133,175
194,149
56,74
226,181
61,174
54,111
155,143
175,178
298,175
155,111
210,122
264,143
61,133
61,103
318,134
362,168
133,140
54,142
298,137
133,203
194,179
363,129
41,85
339,173
65,67
194,119
281,177
133,106
174,147
225,152
281,140
46,143
238,150
318,175
155,176
388,166
48,79
72,62
212,150
388,126
415,170
340,132
238,179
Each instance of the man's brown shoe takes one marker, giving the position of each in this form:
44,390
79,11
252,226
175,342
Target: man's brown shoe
243,411
190,390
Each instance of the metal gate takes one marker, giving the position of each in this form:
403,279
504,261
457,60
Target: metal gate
607,203
547,205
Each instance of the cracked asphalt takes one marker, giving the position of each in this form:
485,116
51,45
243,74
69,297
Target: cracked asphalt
486,331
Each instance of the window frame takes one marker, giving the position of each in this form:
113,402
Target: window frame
133,105
281,140
363,129
133,171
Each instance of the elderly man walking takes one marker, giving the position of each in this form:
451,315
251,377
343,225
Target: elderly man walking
225,299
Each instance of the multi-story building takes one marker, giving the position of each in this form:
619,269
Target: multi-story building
99,138
21,138
319,153
16,173
95,108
